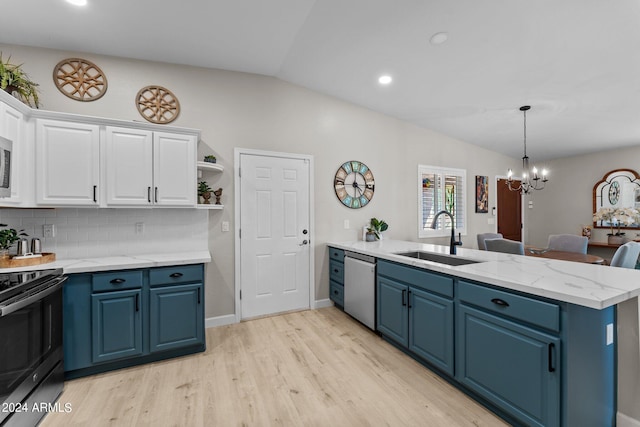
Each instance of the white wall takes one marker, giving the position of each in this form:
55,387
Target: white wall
251,111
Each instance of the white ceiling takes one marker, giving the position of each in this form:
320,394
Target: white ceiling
576,62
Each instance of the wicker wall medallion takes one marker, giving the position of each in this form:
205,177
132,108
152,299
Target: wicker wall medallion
80,79
157,104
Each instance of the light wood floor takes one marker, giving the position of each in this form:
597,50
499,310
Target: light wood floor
310,368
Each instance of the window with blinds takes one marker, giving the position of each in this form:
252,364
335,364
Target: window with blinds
441,189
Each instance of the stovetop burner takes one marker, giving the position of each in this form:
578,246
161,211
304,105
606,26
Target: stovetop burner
14,283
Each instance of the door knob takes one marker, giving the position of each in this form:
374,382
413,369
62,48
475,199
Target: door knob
304,242
304,231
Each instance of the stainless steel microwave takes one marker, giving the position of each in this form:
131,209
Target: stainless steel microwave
5,167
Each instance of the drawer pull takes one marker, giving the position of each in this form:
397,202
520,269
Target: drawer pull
551,349
175,275
118,281
500,302
335,270
335,292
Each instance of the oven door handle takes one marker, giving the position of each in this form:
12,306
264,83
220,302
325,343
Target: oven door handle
40,295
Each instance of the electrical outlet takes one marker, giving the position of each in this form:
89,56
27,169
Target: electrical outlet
346,224
48,230
139,227
225,225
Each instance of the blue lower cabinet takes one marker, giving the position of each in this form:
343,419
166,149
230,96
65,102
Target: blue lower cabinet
116,325
117,319
514,367
392,310
431,328
336,293
175,316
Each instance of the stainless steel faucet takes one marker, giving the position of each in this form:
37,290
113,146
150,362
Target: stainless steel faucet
452,243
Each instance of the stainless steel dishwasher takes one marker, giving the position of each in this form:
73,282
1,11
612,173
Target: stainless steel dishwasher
360,287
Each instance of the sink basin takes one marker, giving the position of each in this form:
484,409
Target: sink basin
442,259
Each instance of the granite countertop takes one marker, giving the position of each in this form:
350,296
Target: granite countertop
123,262
589,285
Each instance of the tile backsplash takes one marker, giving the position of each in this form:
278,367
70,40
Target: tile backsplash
89,233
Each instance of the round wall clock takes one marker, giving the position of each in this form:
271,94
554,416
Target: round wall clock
354,184
614,192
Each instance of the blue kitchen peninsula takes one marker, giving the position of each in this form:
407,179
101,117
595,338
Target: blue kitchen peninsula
532,339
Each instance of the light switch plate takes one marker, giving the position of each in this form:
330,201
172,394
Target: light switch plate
346,224
225,225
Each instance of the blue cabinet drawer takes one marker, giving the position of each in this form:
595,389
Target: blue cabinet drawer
113,281
336,271
417,277
176,274
337,254
336,293
539,313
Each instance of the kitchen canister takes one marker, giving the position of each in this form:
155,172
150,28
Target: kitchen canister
36,246
23,247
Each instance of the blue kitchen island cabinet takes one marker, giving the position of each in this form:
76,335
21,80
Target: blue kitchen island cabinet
415,310
123,318
532,360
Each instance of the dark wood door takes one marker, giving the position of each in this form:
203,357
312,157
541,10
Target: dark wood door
509,211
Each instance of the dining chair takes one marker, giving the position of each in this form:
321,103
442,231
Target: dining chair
484,236
505,245
568,243
626,256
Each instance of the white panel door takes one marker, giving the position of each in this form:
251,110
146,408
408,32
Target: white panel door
128,167
274,226
67,163
174,169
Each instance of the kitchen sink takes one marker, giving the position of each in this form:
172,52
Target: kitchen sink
442,259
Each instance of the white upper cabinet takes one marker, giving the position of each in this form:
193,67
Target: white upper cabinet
145,168
128,165
67,163
174,169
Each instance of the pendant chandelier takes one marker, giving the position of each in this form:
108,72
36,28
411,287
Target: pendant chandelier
530,179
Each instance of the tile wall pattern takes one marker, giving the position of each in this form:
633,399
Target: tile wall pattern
89,233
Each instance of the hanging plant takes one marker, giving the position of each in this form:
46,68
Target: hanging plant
14,80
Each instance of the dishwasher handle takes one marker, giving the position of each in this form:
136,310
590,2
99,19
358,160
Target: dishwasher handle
355,255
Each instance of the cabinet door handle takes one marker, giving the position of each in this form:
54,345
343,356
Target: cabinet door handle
409,298
118,281
404,295
551,348
198,295
175,275
95,193
500,302
149,194
156,194
137,302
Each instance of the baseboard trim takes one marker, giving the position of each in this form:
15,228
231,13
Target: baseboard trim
626,421
213,322
322,303
230,319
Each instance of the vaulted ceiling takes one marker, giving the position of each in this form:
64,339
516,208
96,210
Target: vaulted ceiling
576,62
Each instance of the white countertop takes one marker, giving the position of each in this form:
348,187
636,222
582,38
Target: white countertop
87,265
589,285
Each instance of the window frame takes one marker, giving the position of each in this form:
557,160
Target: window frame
461,174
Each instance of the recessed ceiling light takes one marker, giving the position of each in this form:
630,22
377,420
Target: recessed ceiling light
439,38
78,2
385,80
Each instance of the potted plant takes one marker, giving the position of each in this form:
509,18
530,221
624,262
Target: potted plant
210,159
617,217
14,80
8,237
375,229
204,191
